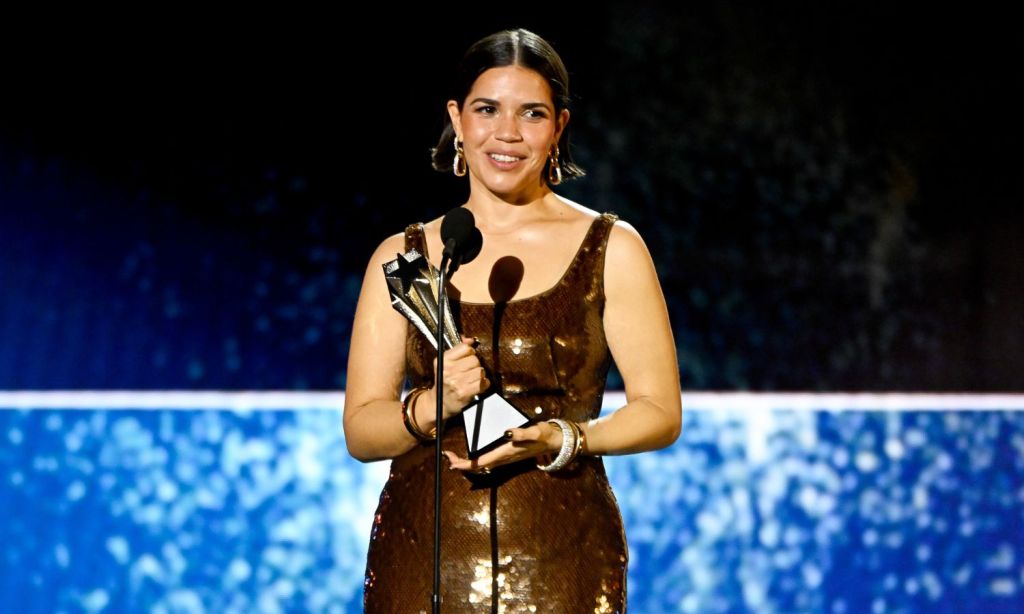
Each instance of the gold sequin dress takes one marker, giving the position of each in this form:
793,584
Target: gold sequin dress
519,539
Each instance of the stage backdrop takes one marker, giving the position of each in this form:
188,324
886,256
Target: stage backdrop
210,502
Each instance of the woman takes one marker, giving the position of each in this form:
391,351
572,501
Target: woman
556,292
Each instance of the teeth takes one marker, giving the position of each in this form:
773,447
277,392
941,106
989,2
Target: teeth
501,158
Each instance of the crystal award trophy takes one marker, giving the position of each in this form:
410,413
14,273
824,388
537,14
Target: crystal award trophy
413,283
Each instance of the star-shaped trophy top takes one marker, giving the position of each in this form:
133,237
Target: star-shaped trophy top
407,269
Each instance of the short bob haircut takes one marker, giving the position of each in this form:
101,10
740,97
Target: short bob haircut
517,47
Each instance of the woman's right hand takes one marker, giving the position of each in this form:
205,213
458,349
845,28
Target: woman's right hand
464,378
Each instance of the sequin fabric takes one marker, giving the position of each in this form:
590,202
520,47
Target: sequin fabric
519,539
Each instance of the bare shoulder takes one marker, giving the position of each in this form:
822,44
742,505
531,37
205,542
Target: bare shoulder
575,212
388,249
433,226
629,270
626,248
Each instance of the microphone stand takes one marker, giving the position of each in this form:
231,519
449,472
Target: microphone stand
442,299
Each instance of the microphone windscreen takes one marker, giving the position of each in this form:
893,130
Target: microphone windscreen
457,224
473,245
458,229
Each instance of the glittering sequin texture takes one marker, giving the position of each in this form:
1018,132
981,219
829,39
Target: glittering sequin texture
519,539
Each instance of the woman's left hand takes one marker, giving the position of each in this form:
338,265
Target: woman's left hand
529,442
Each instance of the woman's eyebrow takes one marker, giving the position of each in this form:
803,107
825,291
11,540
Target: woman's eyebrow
525,105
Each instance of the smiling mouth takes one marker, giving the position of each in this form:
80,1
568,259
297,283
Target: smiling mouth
504,158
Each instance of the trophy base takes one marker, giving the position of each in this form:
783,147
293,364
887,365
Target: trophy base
486,425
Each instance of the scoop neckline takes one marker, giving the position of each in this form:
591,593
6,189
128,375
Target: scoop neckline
556,286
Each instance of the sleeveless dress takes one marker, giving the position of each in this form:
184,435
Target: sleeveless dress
519,539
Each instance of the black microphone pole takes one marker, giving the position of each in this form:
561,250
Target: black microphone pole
462,242
442,299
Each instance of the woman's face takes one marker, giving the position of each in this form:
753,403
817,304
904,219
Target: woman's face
508,112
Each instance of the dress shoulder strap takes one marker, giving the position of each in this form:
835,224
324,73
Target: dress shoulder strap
415,237
603,230
608,220
597,246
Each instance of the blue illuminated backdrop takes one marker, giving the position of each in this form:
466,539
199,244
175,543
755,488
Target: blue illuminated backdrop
768,503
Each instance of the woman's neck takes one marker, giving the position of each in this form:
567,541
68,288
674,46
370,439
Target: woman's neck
493,214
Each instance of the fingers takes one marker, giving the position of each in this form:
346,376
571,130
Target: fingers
464,376
466,348
480,465
542,436
466,382
502,455
528,434
462,354
455,462
461,350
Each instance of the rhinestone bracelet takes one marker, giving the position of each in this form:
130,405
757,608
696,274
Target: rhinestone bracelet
568,452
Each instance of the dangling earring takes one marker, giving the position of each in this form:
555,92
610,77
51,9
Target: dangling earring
554,170
459,162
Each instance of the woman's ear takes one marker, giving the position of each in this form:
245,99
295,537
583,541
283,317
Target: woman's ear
563,121
455,115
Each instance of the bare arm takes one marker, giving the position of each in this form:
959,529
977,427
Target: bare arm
373,424
639,335
376,368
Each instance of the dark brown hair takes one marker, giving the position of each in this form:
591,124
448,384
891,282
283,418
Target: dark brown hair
517,47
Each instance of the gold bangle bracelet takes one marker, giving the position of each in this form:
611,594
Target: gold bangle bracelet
582,444
410,421
578,430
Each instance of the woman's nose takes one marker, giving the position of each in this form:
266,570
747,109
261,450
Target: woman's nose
508,127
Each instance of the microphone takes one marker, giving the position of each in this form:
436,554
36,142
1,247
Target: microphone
462,239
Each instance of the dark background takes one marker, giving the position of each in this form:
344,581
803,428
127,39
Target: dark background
830,193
